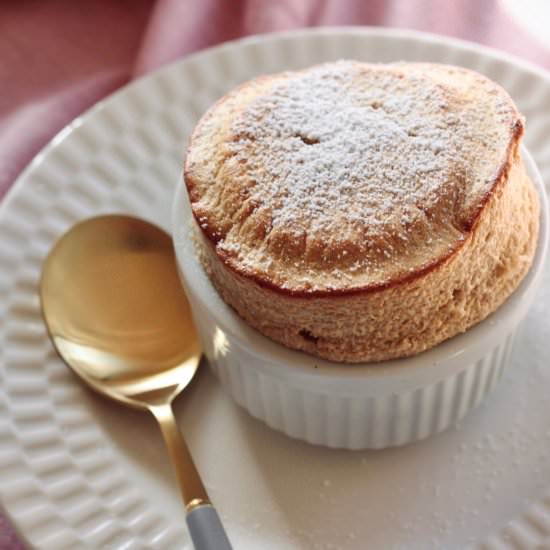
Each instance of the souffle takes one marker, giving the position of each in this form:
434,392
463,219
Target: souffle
362,212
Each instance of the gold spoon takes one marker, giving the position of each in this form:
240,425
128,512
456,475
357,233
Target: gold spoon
117,314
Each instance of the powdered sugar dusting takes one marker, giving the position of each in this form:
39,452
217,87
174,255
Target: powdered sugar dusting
325,146
356,166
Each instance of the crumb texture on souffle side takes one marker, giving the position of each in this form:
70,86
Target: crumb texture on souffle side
363,212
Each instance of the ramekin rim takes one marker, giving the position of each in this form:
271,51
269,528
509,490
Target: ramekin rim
453,354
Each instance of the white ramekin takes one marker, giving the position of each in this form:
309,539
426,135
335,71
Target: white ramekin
353,406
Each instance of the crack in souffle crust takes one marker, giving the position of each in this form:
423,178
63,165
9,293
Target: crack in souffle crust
348,177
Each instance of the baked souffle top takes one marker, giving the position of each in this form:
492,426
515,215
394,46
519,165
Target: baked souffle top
348,177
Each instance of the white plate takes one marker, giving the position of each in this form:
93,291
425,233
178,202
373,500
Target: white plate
79,472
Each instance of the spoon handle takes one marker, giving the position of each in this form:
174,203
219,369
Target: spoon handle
204,524
206,529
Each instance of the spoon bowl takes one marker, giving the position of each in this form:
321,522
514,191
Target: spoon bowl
116,313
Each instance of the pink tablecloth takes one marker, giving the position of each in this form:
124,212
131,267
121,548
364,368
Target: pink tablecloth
59,57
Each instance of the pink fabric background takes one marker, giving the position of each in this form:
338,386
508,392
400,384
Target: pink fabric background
58,57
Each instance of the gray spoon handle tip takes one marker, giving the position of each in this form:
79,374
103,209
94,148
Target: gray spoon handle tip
206,529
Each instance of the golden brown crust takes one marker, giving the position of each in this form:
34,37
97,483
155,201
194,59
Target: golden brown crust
460,216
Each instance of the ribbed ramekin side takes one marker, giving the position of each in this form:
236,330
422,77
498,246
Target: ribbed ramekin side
351,421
